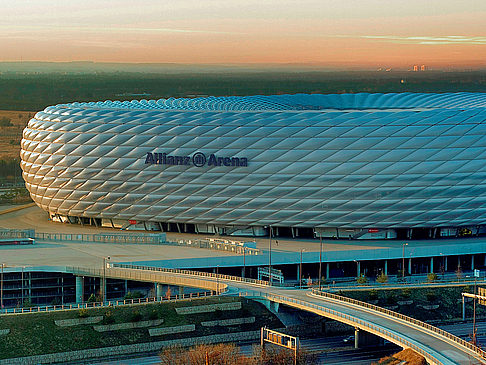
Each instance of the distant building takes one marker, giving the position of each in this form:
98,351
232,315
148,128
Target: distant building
415,68
348,165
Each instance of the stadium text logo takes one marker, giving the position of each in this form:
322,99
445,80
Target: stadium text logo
199,159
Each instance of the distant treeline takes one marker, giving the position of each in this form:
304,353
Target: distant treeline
10,169
36,91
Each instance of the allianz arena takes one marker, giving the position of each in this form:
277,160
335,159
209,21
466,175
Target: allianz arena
350,165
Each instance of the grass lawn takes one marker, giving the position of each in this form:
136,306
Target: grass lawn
34,334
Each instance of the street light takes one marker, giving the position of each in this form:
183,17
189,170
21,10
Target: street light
217,280
244,261
270,255
403,259
300,268
1,288
103,285
320,259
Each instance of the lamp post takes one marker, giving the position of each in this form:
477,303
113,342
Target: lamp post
244,261
403,259
1,288
300,268
22,287
103,285
320,259
270,255
217,280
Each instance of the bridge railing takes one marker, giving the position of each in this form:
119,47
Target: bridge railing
350,319
194,273
405,318
109,303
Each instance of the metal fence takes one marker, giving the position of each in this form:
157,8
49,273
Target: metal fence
405,318
17,233
154,239
110,303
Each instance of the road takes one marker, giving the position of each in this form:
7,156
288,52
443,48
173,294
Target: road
330,350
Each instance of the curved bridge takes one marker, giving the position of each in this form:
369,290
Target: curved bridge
437,346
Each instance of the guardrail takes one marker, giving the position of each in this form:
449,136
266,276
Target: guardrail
405,318
110,303
363,324
193,273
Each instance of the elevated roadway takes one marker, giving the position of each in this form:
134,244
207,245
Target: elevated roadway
436,345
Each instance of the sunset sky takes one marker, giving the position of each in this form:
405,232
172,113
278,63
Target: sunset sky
343,33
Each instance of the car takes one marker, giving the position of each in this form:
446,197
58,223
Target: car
349,339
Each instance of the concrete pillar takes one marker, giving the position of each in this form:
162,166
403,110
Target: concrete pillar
181,290
327,270
358,269
445,263
472,262
356,338
159,290
386,268
103,288
431,265
463,309
126,286
79,289
243,272
298,272
410,266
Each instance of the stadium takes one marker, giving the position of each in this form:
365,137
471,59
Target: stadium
353,166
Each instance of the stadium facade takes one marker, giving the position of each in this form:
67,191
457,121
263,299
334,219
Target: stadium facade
350,165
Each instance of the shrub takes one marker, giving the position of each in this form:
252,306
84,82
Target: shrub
382,278
83,313
406,293
133,295
362,279
431,296
5,122
373,295
391,298
432,276
109,318
153,315
92,298
459,273
136,316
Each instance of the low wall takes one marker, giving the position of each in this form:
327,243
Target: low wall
229,322
127,325
170,330
209,308
78,321
63,357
